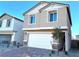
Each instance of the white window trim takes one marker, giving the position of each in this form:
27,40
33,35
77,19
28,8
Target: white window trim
62,27
49,17
1,23
34,22
7,23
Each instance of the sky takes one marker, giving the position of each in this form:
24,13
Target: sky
17,8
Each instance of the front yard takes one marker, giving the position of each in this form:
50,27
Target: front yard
35,52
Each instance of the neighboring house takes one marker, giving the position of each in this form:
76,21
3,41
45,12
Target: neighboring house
10,29
77,37
75,42
40,22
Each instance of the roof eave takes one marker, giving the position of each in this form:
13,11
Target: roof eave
11,16
34,7
69,15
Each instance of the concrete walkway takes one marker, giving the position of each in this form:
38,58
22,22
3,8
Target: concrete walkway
35,52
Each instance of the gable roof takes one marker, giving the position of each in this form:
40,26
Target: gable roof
49,3
35,6
11,16
53,3
60,3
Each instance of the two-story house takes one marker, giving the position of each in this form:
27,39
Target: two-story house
10,29
40,22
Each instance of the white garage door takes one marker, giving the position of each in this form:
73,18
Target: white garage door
5,38
40,41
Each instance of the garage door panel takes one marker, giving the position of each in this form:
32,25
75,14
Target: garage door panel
40,41
5,38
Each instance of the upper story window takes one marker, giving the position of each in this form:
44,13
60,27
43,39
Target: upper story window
53,16
32,19
8,23
0,23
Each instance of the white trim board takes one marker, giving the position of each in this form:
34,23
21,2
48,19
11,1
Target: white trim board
62,27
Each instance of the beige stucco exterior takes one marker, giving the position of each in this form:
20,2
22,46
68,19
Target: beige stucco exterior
42,23
42,19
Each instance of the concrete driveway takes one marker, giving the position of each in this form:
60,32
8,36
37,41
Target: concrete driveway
35,52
